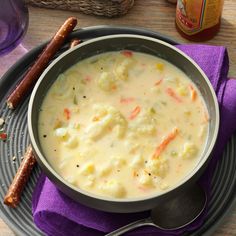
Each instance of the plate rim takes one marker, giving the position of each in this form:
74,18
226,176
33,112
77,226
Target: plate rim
96,31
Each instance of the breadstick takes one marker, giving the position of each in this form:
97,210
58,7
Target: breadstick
41,63
13,195
74,42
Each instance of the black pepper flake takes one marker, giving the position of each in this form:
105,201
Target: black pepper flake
101,68
77,165
84,96
55,150
145,162
73,88
149,174
45,136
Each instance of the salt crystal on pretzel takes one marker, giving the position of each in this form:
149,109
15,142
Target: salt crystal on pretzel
2,121
74,42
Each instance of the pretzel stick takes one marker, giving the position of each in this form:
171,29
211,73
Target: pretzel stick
41,63
74,42
13,195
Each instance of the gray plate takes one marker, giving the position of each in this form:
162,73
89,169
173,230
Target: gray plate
20,219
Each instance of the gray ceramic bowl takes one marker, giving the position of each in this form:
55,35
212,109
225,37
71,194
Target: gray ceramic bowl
114,43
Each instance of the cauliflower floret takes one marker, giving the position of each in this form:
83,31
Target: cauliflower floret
107,117
95,130
99,126
164,186
106,81
145,123
113,188
90,181
189,151
158,166
145,180
62,133
122,70
120,130
65,134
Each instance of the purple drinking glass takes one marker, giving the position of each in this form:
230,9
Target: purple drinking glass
13,24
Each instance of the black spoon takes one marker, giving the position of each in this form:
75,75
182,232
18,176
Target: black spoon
173,214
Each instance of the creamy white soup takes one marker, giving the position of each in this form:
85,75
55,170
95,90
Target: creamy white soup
123,125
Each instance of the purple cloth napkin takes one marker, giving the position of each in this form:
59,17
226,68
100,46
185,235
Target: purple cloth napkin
57,215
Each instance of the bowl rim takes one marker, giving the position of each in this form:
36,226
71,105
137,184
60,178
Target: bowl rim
43,161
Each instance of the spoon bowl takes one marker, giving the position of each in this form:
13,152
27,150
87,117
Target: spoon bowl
174,214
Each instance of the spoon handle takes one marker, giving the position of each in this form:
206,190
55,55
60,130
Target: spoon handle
131,226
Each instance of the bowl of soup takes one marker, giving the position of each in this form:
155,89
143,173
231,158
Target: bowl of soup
121,123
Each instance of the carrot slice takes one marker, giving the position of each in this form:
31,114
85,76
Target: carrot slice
67,113
126,100
172,94
114,87
88,78
158,82
193,93
127,53
135,112
160,148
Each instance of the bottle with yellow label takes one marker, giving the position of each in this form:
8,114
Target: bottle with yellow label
198,20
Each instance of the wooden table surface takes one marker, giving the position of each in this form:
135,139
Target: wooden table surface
157,15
